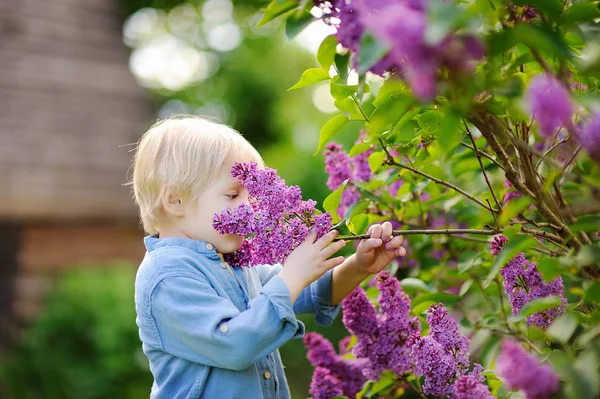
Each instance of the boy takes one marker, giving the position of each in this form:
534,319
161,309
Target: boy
210,330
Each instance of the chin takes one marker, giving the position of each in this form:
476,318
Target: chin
233,243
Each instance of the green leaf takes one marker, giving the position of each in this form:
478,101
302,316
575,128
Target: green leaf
581,12
563,328
540,304
387,113
464,288
592,294
370,52
512,231
309,77
543,39
550,7
350,107
466,260
341,65
359,149
435,297
329,129
275,9
327,51
332,202
430,121
359,223
376,160
449,136
391,88
386,380
513,208
549,268
586,223
412,286
588,255
510,249
297,22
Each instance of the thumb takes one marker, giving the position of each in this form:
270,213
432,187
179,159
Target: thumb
371,243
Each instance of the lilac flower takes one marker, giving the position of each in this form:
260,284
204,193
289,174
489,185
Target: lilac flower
523,283
524,372
443,355
322,354
549,103
324,385
497,244
382,339
340,167
471,387
433,362
275,222
590,137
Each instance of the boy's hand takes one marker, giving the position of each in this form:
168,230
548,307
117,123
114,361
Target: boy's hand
310,260
375,253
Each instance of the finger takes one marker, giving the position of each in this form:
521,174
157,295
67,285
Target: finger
367,245
333,262
333,248
377,230
326,239
311,237
400,252
394,242
386,234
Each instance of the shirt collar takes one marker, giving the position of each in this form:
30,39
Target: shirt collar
205,248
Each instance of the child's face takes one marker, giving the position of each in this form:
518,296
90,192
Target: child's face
224,192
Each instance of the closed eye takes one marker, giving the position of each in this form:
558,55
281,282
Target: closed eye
233,196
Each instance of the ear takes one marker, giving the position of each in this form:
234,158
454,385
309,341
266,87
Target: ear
172,203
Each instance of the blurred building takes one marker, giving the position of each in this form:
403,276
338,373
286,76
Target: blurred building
68,108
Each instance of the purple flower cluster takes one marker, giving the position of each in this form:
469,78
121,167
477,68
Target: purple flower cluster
342,374
275,222
549,102
443,356
382,338
590,137
401,25
497,244
522,371
340,167
523,283
471,386
324,385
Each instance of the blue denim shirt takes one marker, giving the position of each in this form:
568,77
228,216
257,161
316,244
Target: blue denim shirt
211,331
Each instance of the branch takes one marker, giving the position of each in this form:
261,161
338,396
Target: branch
482,168
426,232
485,154
390,161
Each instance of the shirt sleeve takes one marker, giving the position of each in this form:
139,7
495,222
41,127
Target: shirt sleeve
316,298
196,324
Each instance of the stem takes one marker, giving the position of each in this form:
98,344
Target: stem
426,232
482,168
485,154
390,161
550,150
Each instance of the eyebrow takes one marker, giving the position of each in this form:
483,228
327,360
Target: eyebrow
235,184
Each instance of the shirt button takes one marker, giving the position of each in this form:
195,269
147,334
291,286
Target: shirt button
224,328
210,247
224,265
267,375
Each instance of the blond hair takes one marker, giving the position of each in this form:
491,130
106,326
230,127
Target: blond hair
183,154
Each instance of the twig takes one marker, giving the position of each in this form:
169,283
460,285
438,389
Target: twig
550,150
426,232
390,161
485,154
482,168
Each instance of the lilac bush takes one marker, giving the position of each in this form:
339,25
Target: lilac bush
474,123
